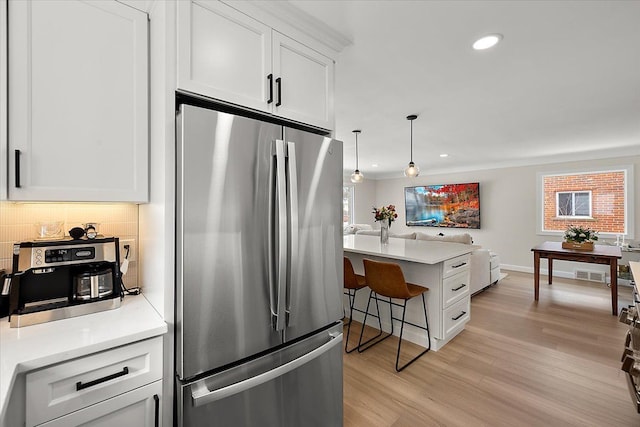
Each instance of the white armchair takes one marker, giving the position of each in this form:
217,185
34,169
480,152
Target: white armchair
484,269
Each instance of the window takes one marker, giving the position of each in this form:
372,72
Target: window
601,200
347,204
573,204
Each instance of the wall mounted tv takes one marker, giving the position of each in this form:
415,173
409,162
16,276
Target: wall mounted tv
448,205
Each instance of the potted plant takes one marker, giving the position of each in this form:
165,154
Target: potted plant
578,237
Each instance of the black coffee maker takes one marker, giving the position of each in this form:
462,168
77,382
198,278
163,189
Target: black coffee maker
54,280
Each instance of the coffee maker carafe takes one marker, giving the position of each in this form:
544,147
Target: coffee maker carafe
92,282
54,280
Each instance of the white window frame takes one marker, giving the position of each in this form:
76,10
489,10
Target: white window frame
351,202
573,204
629,201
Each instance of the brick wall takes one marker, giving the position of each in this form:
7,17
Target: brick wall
607,198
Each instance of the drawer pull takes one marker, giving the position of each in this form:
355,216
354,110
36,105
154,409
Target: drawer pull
458,288
279,88
156,399
459,265
459,315
270,78
80,385
17,168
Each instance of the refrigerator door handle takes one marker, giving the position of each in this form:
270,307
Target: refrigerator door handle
271,264
281,272
293,221
201,395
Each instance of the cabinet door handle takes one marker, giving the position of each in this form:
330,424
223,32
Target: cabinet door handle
279,87
80,385
458,288
270,78
156,422
459,315
459,265
17,169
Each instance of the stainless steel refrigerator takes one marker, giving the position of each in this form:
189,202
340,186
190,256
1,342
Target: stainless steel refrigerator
259,273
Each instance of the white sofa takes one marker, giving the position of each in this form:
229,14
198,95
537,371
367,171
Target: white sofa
484,264
354,228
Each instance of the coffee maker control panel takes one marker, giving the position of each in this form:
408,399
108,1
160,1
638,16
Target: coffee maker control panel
37,255
61,255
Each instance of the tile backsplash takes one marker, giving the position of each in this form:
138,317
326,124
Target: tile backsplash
18,224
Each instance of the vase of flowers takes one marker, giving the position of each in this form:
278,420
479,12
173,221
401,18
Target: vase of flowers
580,238
386,215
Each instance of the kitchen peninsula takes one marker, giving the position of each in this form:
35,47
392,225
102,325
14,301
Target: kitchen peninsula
443,267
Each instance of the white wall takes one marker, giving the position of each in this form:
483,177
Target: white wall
363,199
507,207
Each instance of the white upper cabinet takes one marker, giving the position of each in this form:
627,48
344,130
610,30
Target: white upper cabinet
227,55
305,91
78,101
223,54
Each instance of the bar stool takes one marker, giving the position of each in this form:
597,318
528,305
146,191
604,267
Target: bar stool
352,283
386,279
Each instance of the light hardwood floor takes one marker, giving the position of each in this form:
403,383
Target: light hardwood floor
517,363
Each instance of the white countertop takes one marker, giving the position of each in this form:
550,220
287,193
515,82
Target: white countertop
36,346
422,251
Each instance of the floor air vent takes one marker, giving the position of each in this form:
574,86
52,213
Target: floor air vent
594,276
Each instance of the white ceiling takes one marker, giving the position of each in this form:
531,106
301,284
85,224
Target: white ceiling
564,83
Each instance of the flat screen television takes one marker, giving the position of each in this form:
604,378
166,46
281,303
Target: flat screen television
448,205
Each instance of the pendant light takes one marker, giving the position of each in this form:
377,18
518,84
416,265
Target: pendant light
412,170
357,176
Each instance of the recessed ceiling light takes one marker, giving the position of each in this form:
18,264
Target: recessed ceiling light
444,155
375,165
487,41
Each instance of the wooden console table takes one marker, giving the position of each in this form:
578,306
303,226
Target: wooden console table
600,254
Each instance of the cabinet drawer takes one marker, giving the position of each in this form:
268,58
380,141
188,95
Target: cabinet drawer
455,287
455,265
456,316
139,407
66,387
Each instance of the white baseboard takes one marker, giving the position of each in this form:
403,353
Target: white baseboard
556,273
522,269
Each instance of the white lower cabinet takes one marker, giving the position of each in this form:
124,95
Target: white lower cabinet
456,296
455,316
123,383
139,407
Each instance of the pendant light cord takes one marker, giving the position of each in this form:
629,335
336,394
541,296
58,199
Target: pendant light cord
411,139
412,170
356,150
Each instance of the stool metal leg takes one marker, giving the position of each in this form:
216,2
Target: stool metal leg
361,345
426,320
352,300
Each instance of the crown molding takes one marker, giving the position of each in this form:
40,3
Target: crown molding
282,14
